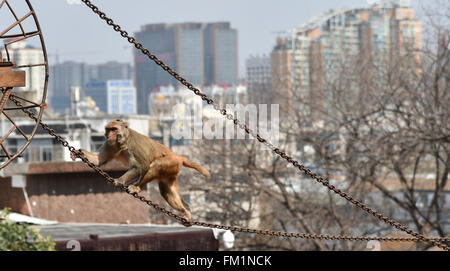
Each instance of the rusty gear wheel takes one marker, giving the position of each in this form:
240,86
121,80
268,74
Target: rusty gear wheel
23,77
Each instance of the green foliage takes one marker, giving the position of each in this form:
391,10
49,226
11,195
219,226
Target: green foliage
19,237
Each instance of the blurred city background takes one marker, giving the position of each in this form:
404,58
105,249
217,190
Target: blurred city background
363,89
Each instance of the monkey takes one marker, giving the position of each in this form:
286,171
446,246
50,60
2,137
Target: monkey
146,159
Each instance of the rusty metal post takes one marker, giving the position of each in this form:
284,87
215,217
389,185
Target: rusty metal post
9,78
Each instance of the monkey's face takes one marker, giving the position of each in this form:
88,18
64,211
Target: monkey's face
111,133
116,131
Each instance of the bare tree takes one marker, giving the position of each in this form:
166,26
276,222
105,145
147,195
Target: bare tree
375,123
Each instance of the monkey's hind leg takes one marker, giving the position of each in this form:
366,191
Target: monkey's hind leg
152,174
169,191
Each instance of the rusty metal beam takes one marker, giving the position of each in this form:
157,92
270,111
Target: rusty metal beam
10,78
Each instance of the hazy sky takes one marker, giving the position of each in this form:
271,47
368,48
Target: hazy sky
77,34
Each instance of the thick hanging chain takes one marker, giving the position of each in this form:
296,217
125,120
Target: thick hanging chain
185,222
417,237
317,177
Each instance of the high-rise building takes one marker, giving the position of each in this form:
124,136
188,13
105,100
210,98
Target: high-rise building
111,70
201,53
113,96
281,59
311,55
221,54
70,74
63,76
259,79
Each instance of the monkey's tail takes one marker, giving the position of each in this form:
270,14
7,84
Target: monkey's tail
197,167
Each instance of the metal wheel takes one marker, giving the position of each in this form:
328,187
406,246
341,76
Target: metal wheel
23,77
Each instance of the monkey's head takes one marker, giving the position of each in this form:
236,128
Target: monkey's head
116,131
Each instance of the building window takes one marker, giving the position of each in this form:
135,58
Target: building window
26,155
46,153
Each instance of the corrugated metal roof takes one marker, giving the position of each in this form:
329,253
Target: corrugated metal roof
89,237
81,231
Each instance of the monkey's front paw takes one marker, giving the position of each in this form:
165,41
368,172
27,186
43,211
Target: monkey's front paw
187,222
73,156
117,183
187,219
134,189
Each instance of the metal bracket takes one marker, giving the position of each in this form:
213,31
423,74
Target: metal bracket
10,78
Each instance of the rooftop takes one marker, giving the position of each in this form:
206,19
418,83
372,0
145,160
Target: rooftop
64,232
56,167
130,237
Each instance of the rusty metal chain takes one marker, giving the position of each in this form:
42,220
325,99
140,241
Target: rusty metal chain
317,177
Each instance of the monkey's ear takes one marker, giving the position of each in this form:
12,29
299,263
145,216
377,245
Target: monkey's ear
125,124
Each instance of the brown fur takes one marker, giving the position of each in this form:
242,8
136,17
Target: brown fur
147,161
